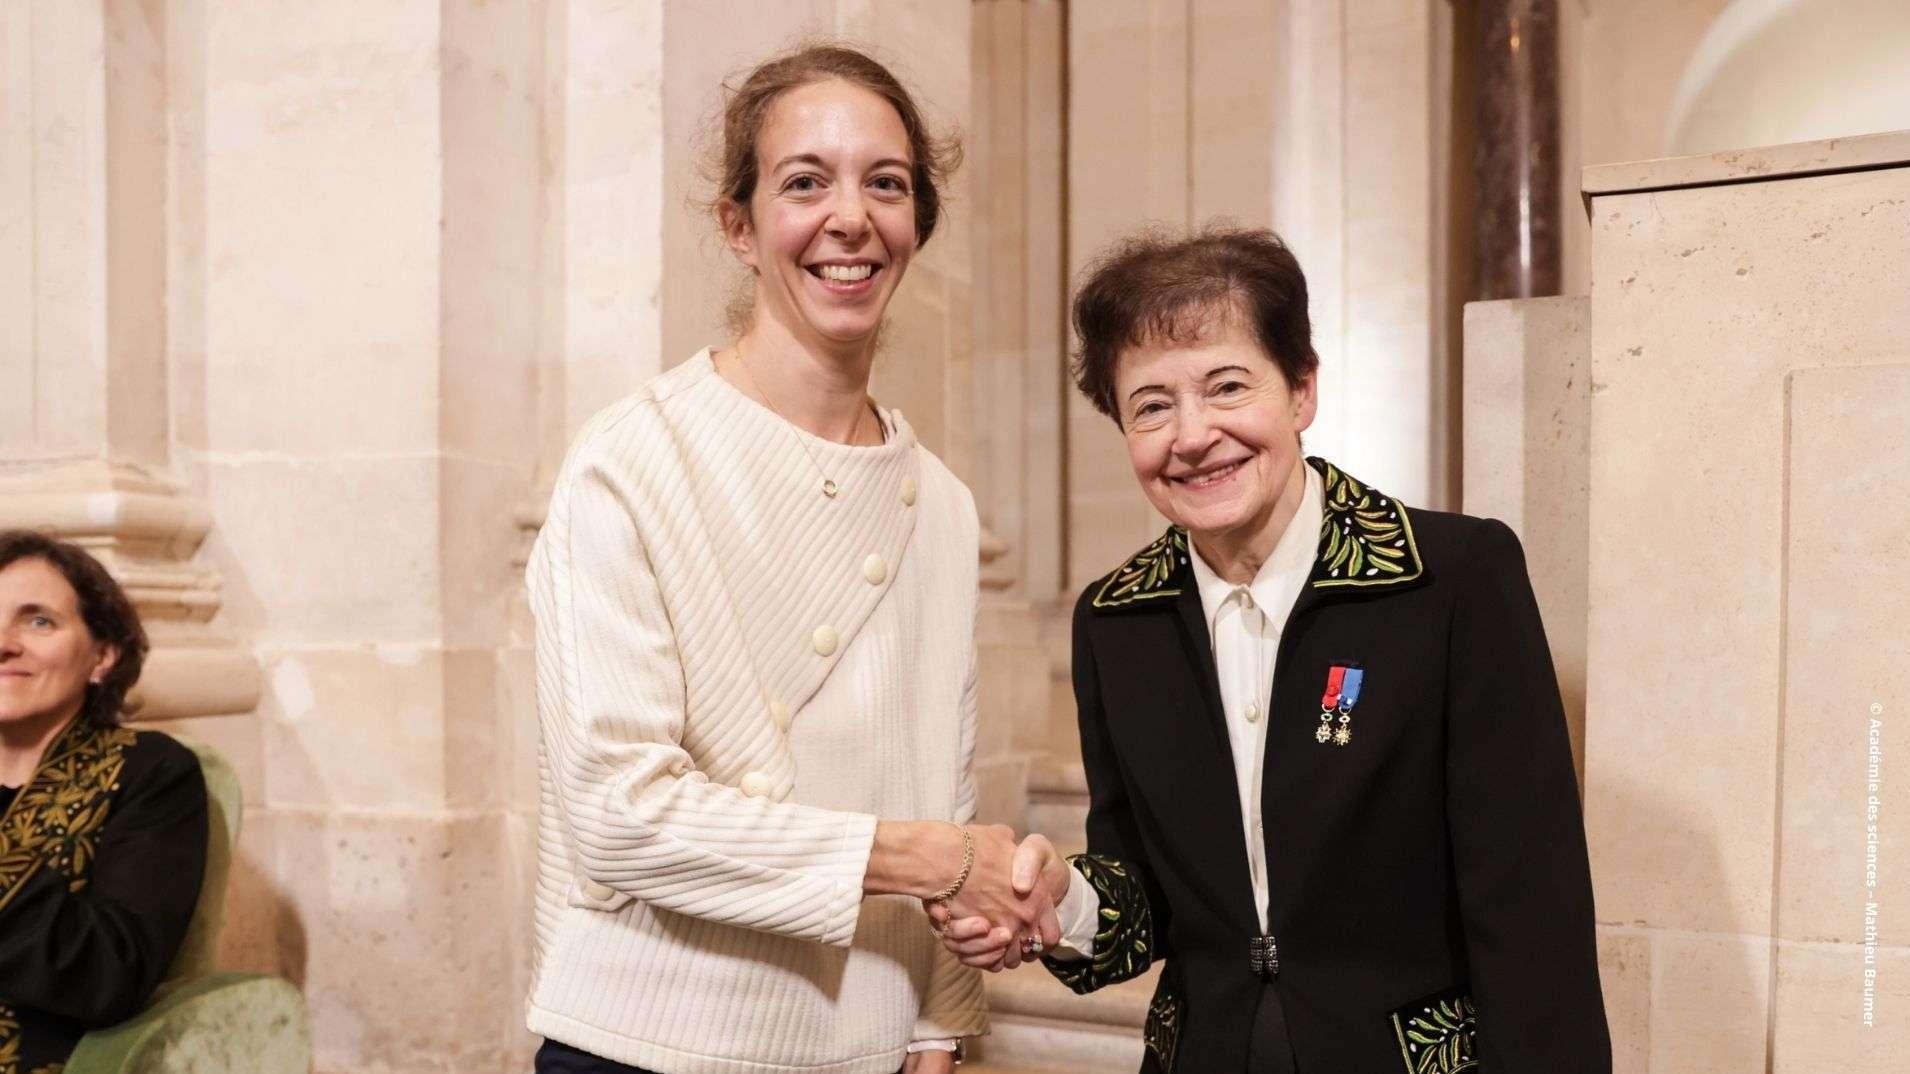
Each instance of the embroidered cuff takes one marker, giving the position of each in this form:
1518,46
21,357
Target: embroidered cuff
1080,913
1124,942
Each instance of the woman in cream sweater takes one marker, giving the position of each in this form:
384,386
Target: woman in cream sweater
755,601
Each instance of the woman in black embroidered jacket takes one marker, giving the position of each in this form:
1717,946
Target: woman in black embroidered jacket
1330,782
103,841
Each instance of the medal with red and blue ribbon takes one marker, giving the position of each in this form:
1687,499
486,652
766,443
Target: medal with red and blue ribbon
1343,683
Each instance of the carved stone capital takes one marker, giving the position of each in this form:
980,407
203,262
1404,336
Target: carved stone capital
146,530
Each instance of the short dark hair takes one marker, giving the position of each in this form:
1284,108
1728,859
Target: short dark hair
104,607
746,104
1158,287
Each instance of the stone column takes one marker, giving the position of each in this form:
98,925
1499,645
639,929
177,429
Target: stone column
366,227
1527,458
94,241
1513,48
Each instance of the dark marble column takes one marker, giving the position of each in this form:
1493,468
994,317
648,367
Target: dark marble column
1513,47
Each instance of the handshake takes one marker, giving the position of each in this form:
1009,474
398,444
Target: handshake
1004,913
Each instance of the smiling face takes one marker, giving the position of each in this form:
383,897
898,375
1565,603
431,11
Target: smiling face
47,654
831,223
1213,433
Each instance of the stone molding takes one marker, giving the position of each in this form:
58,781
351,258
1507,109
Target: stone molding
146,530
997,570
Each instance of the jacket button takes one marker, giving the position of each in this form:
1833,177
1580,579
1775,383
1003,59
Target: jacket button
779,715
875,570
596,891
756,785
824,639
908,491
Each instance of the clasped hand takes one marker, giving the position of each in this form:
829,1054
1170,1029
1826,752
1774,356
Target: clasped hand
1008,902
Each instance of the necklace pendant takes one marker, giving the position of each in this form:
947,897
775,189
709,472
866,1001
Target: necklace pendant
829,487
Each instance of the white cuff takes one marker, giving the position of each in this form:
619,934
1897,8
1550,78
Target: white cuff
1080,914
933,1046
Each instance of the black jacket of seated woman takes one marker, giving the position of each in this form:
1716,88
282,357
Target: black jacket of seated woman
102,828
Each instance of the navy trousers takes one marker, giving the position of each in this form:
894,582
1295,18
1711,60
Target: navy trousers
556,1057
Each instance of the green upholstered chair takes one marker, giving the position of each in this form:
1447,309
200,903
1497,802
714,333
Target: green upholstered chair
202,1022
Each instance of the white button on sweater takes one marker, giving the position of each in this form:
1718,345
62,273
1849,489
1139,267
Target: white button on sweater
678,581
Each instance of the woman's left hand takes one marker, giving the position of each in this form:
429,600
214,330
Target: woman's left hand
930,1062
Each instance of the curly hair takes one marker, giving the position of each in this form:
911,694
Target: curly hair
104,607
1160,286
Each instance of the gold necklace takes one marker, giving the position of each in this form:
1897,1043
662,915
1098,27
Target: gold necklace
829,486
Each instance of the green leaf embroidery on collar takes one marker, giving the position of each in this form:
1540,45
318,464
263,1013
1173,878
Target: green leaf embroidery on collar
1366,538
1152,573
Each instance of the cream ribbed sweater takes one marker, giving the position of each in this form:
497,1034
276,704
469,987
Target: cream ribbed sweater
737,675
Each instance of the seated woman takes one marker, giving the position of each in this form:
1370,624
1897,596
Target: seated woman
102,829
1329,777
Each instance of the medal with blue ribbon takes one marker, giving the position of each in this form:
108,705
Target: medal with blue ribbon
1343,683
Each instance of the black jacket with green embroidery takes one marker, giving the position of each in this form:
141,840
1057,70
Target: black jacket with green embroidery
101,859
1430,900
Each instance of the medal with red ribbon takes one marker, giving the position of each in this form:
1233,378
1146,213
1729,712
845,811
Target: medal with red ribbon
1343,683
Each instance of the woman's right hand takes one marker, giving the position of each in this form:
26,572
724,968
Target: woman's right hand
1037,870
921,858
1012,911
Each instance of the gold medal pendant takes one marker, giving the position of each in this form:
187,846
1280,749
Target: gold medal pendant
1344,733
1326,728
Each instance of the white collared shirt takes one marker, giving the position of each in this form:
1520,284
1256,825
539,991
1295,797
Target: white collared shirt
1244,623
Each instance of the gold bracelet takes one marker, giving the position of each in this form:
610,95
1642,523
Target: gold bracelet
968,863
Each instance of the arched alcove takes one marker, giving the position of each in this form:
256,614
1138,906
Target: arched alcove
1770,72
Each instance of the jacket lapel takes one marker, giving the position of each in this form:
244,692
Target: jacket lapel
1197,646
55,817
1169,713
1152,605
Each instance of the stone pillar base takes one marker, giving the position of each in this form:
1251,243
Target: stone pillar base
146,530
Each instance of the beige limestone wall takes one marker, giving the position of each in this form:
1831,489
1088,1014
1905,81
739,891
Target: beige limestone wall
1527,456
1746,624
1621,61
1014,213
1017,217
366,357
